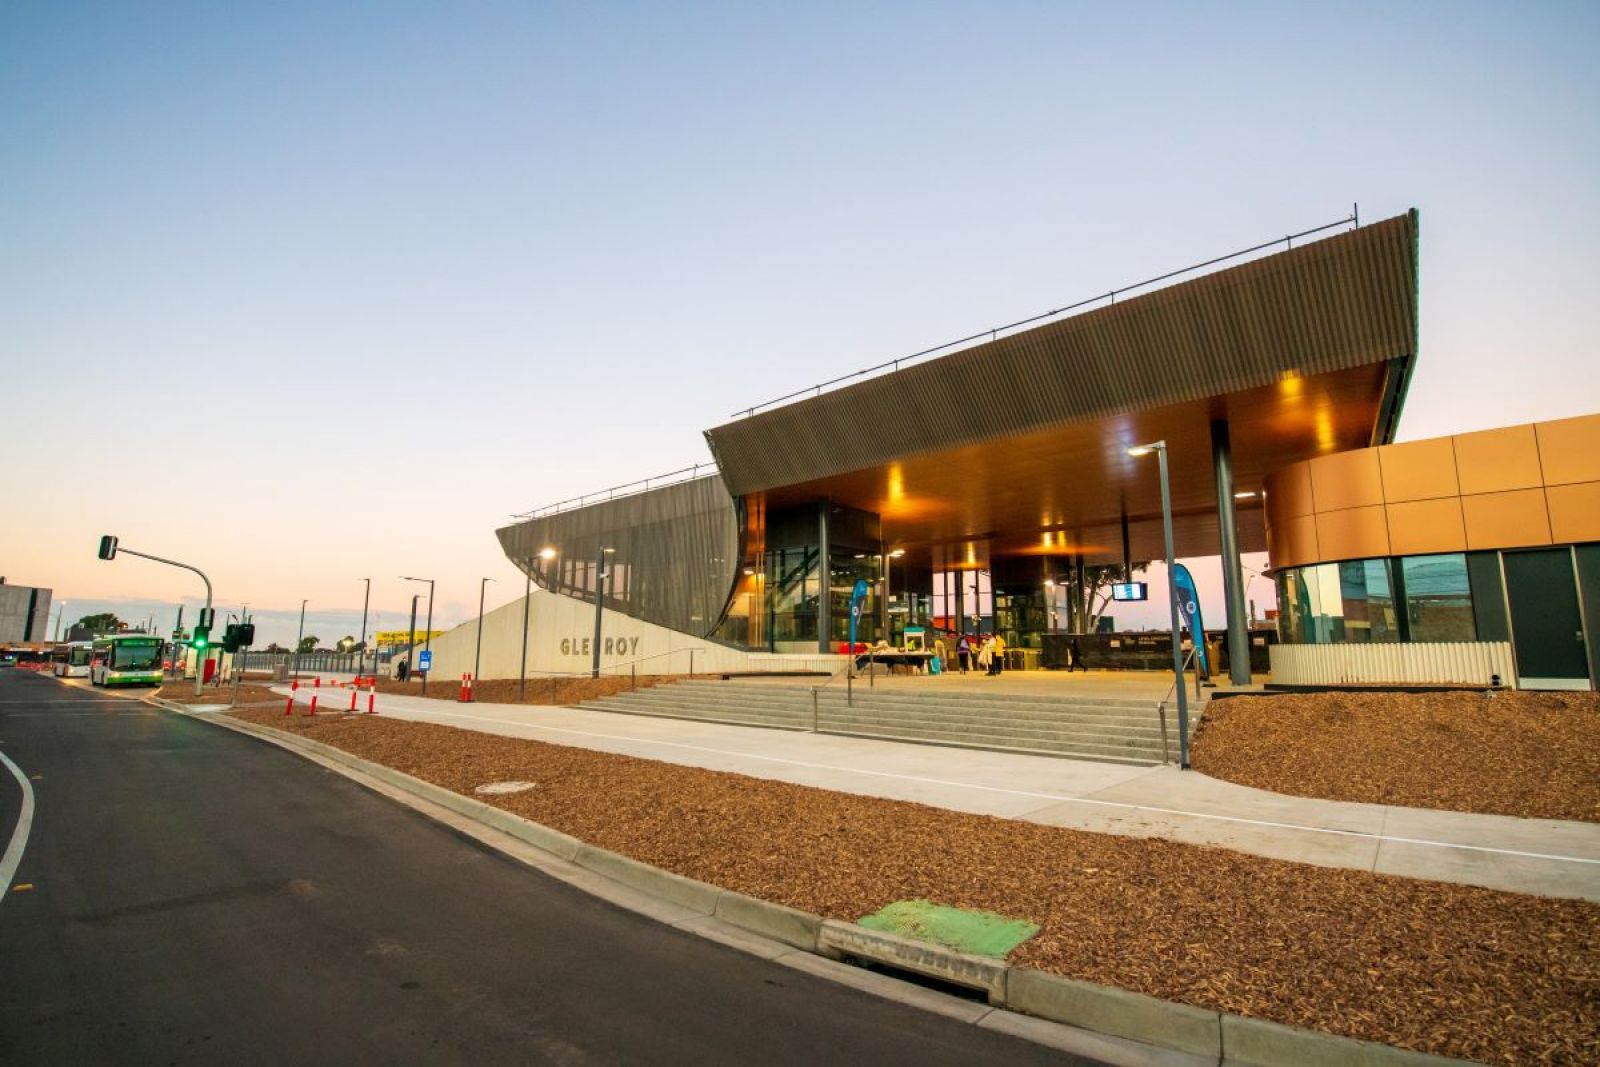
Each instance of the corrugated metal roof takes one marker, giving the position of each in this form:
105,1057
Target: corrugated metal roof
1343,302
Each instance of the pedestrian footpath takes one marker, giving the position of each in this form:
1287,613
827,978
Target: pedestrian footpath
1546,857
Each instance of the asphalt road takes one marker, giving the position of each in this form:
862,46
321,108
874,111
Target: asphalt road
198,896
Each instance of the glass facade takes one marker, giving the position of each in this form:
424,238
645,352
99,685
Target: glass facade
1412,598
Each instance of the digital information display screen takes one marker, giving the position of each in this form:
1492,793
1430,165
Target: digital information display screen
1130,591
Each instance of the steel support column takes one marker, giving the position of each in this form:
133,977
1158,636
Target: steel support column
824,590
1232,574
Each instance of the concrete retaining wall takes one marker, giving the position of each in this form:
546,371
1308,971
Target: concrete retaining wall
561,637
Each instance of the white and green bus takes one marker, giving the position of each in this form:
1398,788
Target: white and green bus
70,659
126,659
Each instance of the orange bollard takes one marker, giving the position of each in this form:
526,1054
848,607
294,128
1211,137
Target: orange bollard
288,709
353,694
314,699
372,696
466,689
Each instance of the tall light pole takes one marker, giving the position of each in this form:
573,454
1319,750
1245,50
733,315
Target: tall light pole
477,655
361,661
61,613
427,630
601,573
411,636
1160,449
299,637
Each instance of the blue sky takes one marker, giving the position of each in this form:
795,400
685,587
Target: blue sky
334,289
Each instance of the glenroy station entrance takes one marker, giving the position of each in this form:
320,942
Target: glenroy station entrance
979,510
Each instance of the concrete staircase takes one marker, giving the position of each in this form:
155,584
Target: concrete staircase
1108,729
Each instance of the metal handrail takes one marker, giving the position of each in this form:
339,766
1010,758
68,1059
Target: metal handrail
993,333
626,489
848,670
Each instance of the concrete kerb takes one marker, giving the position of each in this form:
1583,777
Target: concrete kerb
1209,1036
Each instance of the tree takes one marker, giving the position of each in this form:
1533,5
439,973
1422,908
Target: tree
347,643
1085,605
275,647
309,642
103,623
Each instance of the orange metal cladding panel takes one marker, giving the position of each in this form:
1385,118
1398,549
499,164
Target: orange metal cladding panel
1288,493
1346,480
1493,461
1515,519
1569,450
1418,527
1419,470
1574,512
1293,542
1353,533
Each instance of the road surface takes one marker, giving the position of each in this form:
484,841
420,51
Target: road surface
198,896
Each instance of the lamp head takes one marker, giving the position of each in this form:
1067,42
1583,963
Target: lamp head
1146,449
547,553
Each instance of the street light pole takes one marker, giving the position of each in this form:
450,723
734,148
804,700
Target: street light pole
362,655
601,573
477,655
411,637
427,633
299,637
1160,449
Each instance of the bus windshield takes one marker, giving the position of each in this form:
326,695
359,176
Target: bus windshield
144,656
78,656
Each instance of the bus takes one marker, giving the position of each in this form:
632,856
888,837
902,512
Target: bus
126,659
71,659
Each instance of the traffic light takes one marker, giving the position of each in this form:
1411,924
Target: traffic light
247,634
230,638
202,638
108,547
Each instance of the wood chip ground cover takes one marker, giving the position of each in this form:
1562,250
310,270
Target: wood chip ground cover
1442,968
1534,755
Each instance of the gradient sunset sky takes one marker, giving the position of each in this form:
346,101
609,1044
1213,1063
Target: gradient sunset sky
306,293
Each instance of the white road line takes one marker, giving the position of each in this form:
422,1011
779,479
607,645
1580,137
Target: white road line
1028,793
19,836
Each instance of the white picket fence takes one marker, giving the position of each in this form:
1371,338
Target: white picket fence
1422,663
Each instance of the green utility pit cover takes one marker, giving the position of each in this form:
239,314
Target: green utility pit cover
977,933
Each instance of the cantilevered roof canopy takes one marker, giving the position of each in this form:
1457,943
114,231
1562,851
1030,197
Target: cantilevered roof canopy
1304,352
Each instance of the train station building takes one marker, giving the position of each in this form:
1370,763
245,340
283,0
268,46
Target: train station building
1276,382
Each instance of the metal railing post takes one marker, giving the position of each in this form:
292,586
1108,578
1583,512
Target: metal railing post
1166,751
813,709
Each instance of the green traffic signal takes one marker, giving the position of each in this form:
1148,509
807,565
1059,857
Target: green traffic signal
202,637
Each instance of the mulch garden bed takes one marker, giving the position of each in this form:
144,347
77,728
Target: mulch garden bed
1535,755
1442,968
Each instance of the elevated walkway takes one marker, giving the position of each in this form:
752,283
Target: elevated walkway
1121,723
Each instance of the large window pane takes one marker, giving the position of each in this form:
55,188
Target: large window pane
1331,603
1438,598
1367,601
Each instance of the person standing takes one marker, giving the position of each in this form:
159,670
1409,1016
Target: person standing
999,662
986,655
940,655
963,652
